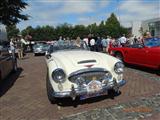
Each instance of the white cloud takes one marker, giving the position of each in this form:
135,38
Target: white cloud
138,10
86,20
77,7
104,3
89,11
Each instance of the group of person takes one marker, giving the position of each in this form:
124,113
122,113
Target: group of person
17,45
94,43
98,44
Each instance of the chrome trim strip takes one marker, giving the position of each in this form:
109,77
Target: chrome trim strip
82,71
87,61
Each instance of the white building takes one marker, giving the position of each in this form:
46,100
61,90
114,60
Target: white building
150,25
136,26
3,33
153,26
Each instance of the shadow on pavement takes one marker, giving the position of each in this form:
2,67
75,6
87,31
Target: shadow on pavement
69,102
7,83
144,69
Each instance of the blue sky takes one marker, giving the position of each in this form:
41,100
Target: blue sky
55,12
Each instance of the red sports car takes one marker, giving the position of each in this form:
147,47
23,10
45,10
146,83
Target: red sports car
146,54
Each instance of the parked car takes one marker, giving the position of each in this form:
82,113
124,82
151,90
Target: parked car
40,48
8,62
74,71
144,54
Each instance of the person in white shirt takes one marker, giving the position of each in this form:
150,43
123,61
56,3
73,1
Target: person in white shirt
92,44
85,40
12,47
123,40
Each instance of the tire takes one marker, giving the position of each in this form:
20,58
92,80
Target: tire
15,66
113,93
0,76
50,90
119,56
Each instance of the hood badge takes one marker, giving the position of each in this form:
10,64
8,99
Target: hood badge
89,66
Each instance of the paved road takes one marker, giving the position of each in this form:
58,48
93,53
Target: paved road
23,95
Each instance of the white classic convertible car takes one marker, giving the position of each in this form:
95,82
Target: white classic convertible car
74,71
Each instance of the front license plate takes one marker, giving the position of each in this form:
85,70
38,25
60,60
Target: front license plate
94,86
83,97
94,89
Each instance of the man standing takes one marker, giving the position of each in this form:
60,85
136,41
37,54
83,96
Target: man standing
98,44
60,41
12,47
92,44
123,40
19,45
104,44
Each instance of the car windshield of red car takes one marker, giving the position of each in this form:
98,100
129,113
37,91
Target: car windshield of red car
152,42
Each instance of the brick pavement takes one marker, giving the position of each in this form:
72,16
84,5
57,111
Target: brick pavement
142,108
23,95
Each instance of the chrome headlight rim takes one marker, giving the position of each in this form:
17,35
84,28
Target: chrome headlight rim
119,67
58,75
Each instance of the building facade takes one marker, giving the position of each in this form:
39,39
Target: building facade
152,25
136,26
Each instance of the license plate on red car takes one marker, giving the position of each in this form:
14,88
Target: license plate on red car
93,90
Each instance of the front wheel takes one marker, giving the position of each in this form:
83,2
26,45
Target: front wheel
50,91
113,92
15,66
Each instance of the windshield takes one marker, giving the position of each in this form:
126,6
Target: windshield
152,42
41,45
68,45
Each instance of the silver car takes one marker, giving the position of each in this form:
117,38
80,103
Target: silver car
40,48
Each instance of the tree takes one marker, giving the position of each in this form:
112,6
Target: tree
102,31
113,27
10,11
79,30
49,32
93,29
12,31
28,31
64,30
110,27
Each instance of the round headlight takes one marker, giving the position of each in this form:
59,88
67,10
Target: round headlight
119,68
58,75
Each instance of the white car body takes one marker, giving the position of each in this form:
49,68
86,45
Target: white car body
78,62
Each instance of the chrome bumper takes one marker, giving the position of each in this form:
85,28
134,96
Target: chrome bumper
40,52
78,92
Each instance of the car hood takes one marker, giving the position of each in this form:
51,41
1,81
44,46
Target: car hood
72,61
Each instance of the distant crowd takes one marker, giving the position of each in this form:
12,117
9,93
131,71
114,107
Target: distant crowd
101,44
98,44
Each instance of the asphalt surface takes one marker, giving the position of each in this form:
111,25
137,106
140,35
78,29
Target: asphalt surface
23,96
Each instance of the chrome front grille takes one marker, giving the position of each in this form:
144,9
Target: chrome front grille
88,76
85,76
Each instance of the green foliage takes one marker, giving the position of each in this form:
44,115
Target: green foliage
10,11
113,27
109,27
12,31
